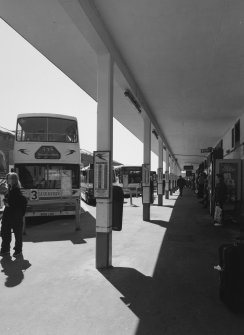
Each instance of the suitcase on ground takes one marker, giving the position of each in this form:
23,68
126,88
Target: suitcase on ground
231,261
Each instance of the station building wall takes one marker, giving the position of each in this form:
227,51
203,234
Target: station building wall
235,149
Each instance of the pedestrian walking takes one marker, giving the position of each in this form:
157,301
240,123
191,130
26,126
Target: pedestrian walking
181,184
14,211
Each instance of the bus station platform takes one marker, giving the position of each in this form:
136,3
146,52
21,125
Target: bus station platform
162,280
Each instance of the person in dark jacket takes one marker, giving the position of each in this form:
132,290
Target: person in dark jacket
181,184
15,206
220,191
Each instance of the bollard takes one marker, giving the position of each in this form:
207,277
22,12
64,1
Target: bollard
77,215
136,192
131,203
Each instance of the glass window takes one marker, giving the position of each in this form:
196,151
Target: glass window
32,129
46,176
237,132
60,130
43,129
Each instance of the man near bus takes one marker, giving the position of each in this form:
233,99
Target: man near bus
181,184
15,206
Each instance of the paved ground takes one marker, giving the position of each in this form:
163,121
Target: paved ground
162,280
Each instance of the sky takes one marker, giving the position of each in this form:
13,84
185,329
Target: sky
29,83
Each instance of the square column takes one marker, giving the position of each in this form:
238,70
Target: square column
167,175
147,160
104,143
160,172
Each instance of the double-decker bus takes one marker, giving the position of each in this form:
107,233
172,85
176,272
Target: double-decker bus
129,178
47,160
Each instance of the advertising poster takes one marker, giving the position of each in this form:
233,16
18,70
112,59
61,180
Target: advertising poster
231,170
101,174
66,183
145,174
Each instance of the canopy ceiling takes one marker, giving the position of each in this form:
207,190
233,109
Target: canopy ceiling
184,57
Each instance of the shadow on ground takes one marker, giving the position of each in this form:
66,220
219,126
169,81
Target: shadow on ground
14,269
182,295
61,229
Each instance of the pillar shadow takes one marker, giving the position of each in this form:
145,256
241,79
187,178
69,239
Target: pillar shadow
14,269
160,223
182,296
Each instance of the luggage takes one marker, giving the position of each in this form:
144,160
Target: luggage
231,266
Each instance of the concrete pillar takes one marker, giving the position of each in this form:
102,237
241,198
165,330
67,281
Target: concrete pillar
160,172
167,175
146,160
104,143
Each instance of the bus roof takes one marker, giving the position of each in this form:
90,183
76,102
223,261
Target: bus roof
60,116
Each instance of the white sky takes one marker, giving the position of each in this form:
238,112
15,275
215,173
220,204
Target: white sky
30,83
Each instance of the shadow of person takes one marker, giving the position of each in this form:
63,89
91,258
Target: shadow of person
14,269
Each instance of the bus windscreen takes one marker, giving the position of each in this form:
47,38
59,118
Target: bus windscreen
46,176
46,129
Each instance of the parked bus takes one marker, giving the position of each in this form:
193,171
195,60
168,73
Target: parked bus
87,183
129,178
47,160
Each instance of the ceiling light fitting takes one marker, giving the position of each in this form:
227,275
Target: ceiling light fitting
155,133
133,100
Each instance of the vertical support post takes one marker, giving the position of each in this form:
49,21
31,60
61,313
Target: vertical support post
131,202
104,143
146,160
167,175
160,172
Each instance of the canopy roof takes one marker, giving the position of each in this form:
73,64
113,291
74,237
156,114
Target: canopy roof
182,60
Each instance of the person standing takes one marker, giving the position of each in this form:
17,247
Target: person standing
181,184
220,191
14,211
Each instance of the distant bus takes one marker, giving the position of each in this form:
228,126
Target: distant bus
87,183
47,160
129,178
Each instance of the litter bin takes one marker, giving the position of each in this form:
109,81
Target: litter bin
117,208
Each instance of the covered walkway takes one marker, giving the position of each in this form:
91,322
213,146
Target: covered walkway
162,280
181,297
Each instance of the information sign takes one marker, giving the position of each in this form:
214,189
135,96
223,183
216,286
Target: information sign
231,170
160,175
207,150
145,174
188,167
102,163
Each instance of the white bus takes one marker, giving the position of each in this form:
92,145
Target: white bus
47,160
129,178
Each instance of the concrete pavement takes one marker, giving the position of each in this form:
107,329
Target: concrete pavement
162,280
